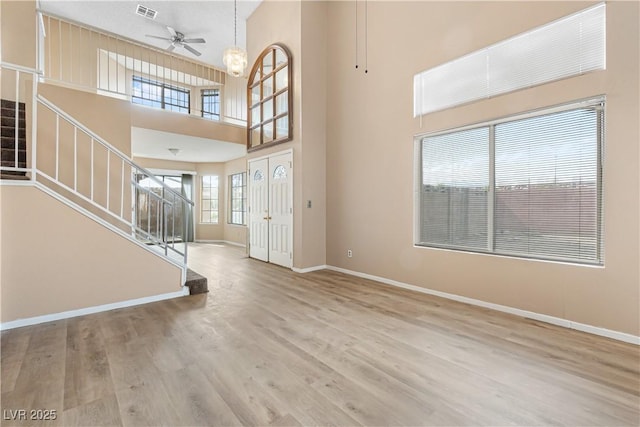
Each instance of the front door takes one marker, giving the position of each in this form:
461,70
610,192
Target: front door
280,210
259,209
271,209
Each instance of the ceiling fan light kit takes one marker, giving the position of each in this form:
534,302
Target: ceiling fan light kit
177,39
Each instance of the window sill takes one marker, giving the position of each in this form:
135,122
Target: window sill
516,258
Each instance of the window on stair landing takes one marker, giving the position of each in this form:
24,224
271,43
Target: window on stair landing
209,209
210,103
527,186
160,95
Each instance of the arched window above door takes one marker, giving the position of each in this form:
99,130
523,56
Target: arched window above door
270,96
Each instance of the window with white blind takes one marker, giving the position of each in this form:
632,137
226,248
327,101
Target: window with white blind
527,186
570,46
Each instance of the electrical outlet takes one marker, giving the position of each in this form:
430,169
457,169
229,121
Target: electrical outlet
349,253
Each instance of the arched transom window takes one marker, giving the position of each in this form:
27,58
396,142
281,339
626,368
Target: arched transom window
270,97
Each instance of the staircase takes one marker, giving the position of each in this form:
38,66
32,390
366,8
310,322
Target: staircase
14,139
76,166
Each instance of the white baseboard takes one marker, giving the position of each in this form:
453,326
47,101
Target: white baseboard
228,242
91,310
309,269
620,336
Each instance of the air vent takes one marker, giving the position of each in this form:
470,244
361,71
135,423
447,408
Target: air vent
146,12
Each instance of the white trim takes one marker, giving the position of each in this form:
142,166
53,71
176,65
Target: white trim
91,310
620,336
228,242
169,172
589,102
16,183
310,269
276,153
513,257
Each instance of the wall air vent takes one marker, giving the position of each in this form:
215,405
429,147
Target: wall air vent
146,12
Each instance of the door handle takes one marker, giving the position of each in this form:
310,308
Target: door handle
268,218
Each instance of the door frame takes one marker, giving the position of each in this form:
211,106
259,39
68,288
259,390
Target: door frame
288,151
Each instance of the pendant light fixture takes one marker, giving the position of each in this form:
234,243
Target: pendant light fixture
235,58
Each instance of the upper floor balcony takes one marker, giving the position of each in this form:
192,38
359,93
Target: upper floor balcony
81,57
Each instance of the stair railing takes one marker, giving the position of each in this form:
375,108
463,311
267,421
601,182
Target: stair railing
15,79
101,175
86,170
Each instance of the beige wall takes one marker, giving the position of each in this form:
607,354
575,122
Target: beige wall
279,22
301,26
54,259
18,32
370,133
165,164
152,118
314,64
107,117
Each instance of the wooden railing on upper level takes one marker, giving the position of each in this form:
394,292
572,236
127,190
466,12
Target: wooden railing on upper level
80,56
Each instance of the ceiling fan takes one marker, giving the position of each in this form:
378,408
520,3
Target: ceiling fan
177,39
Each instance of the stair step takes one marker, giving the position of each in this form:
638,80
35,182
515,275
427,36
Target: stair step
14,175
9,143
11,122
9,155
5,103
10,132
196,283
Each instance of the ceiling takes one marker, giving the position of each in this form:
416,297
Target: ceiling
155,144
212,20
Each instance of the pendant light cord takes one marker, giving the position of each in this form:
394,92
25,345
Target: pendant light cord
366,36
356,1
235,22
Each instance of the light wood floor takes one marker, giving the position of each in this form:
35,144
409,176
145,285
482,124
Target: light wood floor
271,347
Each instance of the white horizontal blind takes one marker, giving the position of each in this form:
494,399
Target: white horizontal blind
547,190
529,186
567,47
455,184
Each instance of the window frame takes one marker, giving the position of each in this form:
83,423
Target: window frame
598,102
215,116
163,102
243,199
211,198
257,78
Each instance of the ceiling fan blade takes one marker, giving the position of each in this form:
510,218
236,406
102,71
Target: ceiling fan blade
158,37
171,47
172,31
192,50
198,40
